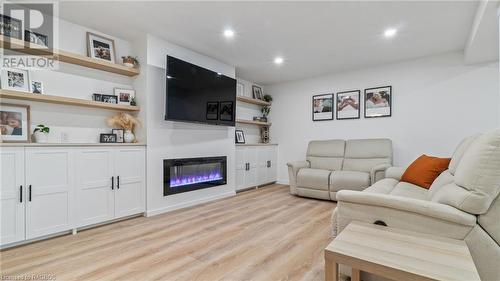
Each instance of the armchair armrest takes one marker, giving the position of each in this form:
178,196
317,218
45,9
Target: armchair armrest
293,169
401,212
395,172
378,172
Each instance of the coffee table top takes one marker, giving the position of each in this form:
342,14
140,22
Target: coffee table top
401,254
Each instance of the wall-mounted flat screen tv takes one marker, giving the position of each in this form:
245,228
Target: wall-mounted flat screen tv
196,94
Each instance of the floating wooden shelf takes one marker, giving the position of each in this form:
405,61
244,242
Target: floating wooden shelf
252,101
60,55
6,94
250,122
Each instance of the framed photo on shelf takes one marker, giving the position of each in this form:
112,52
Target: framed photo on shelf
101,48
257,92
348,106
11,27
97,97
15,79
36,87
36,38
14,122
124,95
109,98
119,135
322,107
240,89
239,136
108,138
378,102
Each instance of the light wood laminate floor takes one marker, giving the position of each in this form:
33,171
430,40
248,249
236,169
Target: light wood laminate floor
264,234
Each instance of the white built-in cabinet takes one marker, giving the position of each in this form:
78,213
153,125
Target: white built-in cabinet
255,165
47,190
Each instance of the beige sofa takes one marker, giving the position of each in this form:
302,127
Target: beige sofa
333,165
462,203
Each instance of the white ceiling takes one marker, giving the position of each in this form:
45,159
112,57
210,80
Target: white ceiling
314,38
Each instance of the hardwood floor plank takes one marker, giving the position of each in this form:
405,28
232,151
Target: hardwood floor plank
264,234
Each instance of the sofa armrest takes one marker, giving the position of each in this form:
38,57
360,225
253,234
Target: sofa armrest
293,169
395,172
378,172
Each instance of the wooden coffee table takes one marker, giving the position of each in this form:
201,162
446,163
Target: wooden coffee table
398,254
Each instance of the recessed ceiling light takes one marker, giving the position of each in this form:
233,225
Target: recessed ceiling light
278,60
390,32
228,33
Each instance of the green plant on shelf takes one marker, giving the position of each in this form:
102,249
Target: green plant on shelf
268,98
42,129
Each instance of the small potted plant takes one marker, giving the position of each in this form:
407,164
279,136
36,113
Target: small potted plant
265,111
268,98
130,61
41,133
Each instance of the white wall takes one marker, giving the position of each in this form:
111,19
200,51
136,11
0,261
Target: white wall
437,101
81,125
168,140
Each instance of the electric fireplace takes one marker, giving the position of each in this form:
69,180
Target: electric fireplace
188,174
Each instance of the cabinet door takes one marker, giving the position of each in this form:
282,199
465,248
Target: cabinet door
240,179
263,157
49,173
94,193
272,171
241,159
130,183
12,195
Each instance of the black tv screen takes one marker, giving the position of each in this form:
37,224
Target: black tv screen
196,94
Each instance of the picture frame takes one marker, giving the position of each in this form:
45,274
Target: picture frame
97,97
226,111
257,92
378,102
212,110
322,107
36,38
100,47
240,89
124,95
11,27
119,135
109,99
15,79
239,136
107,138
36,87
15,123
348,105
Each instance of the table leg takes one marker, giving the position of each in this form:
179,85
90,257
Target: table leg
331,270
355,274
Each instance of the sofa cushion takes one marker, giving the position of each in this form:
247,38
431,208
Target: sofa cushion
424,170
490,221
459,152
477,178
384,186
326,154
364,154
313,178
405,189
350,180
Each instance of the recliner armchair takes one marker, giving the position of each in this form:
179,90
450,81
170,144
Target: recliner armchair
333,165
462,203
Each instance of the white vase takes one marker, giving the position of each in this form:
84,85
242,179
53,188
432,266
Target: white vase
128,136
127,64
41,137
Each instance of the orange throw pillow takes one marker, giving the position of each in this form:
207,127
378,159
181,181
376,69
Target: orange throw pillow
424,170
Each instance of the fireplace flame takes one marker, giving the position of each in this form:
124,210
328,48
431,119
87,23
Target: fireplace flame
187,180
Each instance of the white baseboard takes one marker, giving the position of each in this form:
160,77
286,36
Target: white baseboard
283,182
155,212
